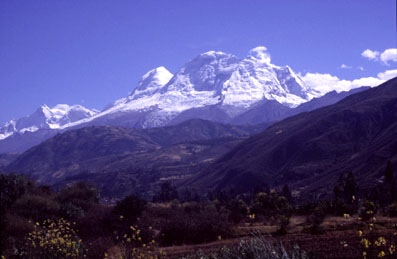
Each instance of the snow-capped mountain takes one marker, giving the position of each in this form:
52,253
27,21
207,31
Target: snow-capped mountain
212,79
220,78
46,118
214,86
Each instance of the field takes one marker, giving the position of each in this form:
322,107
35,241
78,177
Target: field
340,239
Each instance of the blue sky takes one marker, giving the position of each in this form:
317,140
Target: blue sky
94,52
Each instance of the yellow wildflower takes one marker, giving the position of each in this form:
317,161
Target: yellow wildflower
392,249
381,254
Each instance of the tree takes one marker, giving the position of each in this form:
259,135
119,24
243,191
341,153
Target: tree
350,188
339,186
346,187
273,205
389,189
167,193
286,192
389,176
345,192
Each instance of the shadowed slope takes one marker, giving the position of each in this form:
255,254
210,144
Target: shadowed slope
311,149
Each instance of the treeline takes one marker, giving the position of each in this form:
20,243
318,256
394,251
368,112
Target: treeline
73,222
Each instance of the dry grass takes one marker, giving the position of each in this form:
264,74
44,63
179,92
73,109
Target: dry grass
340,239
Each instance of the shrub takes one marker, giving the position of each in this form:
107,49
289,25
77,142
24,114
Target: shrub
316,218
270,204
53,239
71,211
96,228
367,210
193,226
131,207
36,207
238,210
273,205
392,209
80,194
133,245
374,244
12,187
13,234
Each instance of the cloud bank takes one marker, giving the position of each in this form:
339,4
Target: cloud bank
324,83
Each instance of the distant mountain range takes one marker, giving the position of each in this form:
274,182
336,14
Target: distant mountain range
213,86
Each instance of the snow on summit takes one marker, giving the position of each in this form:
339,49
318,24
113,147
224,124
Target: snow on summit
213,78
151,82
46,118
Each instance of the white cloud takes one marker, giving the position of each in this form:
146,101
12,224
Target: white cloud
324,83
388,55
261,54
370,54
344,66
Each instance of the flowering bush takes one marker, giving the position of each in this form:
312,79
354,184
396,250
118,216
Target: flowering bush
135,247
53,239
375,245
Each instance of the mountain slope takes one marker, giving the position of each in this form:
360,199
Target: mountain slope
311,149
65,152
138,156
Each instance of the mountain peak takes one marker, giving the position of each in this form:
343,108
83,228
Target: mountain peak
158,75
213,78
150,82
46,118
158,70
